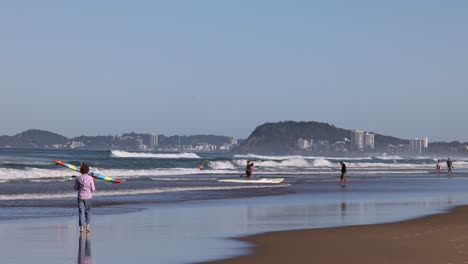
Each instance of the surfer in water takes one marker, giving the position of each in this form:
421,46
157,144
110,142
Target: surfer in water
84,184
201,166
343,173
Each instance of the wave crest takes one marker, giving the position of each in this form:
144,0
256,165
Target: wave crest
126,154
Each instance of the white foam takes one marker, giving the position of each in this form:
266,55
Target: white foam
265,157
298,162
339,158
221,165
33,173
40,196
298,165
384,156
261,157
125,154
323,163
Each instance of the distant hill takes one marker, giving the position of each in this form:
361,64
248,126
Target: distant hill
269,138
281,137
33,138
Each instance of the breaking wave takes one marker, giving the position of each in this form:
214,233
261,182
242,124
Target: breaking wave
126,154
42,196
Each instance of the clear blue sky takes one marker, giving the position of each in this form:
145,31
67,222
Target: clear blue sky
225,67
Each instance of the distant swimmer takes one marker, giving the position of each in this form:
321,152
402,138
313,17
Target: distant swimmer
343,174
438,167
449,166
201,166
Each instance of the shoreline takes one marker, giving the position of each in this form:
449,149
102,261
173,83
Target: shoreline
435,238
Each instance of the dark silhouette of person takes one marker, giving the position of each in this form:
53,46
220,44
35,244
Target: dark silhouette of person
449,166
343,174
250,168
248,172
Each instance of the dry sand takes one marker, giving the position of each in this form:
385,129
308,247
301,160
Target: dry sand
441,238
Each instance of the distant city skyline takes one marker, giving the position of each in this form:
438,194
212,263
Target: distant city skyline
225,67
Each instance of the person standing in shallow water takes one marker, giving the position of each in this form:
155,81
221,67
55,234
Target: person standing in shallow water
449,166
438,166
250,168
84,184
343,174
248,172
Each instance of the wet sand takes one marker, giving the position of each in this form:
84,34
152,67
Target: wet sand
441,238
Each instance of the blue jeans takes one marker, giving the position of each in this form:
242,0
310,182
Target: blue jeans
84,209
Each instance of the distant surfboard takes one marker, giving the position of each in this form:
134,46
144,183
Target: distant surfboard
262,180
90,173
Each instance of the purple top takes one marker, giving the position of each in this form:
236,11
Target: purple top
84,184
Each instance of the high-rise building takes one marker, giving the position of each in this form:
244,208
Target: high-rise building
153,143
369,142
426,143
357,140
416,146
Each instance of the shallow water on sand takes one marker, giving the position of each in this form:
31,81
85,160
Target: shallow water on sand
193,231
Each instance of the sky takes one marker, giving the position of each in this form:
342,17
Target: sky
225,67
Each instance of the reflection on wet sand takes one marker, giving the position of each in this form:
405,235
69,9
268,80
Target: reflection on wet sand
84,249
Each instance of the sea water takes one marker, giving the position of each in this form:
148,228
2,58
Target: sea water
30,178
168,211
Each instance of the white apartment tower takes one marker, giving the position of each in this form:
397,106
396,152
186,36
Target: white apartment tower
153,142
357,140
369,142
416,146
426,142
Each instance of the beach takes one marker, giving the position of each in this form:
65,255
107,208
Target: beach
441,238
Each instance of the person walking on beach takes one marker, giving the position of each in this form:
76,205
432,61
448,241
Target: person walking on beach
438,167
449,166
84,184
343,174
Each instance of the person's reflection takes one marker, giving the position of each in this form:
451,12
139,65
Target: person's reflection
343,209
84,249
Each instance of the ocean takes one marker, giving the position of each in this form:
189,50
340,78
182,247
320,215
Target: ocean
31,185
166,210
